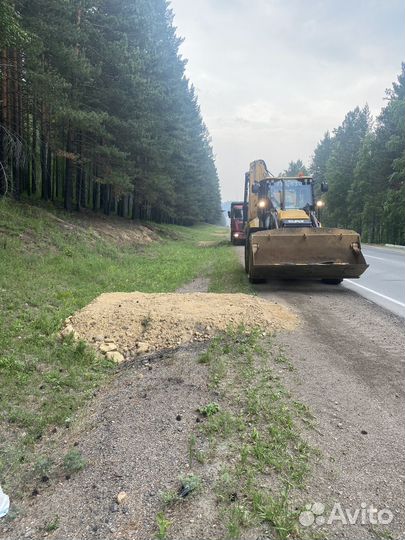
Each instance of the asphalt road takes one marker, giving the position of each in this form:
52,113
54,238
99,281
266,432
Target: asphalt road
384,281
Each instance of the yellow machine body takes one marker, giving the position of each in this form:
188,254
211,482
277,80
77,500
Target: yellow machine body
306,253
292,214
295,246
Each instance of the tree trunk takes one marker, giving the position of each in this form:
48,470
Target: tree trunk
83,187
4,183
96,192
34,149
50,193
43,156
46,188
78,187
15,124
68,192
106,199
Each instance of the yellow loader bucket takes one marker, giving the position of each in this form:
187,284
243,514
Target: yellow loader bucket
290,253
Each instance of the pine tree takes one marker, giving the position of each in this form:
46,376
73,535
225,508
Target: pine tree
365,168
295,168
347,142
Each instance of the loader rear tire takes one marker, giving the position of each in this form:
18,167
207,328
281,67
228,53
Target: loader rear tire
332,281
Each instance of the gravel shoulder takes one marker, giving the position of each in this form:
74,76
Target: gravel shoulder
134,438
349,360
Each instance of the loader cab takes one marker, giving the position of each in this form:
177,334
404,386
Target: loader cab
275,194
286,193
286,202
298,195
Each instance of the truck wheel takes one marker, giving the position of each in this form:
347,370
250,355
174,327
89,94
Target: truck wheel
332,281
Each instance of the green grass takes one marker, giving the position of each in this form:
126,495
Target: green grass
49,268
73,462
381,534
226,276
257,429
193,452
210,409
190,483
169,497
52,526
163,525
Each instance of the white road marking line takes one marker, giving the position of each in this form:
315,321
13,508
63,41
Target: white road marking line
375,292
389,261
374,257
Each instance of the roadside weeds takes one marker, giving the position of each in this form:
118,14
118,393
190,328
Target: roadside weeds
250,439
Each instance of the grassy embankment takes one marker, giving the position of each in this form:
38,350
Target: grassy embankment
49,268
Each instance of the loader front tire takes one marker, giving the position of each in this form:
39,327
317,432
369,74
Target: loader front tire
247,247
251,276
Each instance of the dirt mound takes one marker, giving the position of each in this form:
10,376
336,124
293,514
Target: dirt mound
123,324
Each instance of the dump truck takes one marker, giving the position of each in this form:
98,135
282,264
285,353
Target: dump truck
235,214
284,237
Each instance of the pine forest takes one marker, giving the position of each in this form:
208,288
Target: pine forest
97,113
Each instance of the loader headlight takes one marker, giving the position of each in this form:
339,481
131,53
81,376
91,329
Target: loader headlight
262,203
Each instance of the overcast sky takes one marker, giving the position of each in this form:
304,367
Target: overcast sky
273,75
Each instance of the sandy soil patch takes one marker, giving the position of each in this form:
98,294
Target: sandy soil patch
120,325
199,284
208,243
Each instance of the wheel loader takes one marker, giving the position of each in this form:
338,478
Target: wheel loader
284,237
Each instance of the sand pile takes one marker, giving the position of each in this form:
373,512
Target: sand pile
121,325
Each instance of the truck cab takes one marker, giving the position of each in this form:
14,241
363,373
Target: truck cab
237,226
